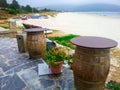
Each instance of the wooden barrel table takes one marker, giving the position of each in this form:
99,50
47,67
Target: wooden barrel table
36,42
91,62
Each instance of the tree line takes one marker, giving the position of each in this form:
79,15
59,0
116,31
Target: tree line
16,8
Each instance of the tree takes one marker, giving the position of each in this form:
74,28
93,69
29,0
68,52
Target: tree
3,4
23,7
15,5
35,10
28,8
46,10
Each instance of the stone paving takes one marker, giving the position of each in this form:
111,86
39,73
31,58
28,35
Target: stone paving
18,72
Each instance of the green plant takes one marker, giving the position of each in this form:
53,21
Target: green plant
55,54
69,59
13,11
6,27
65,40
112,85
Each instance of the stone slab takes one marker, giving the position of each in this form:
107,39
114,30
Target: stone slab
11,83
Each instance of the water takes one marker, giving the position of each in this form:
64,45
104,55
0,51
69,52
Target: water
110,14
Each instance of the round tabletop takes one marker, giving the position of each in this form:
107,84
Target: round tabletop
94,42
35,29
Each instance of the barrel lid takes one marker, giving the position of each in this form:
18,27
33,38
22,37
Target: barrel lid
94,42
35,29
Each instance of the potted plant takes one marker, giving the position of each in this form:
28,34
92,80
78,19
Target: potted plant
55,57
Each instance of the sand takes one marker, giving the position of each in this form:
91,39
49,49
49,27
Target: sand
56,33
81,24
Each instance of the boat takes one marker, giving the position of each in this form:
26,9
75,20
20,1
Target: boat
24,17
28,26
35,16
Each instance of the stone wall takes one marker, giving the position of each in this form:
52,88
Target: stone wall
8,33
12,25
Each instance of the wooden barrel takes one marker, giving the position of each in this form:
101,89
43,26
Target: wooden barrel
91,67
91,62
36,44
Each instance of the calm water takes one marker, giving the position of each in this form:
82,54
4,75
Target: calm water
110,14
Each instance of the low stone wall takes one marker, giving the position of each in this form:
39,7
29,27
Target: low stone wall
8,33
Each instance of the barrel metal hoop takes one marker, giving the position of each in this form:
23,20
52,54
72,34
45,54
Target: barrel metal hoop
93,54
36,33
94,64
35,40
84,88
88,82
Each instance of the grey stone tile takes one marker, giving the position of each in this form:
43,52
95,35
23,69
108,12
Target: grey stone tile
46,82
2,59
4,66
11,55
66,84
21,65
12,83
32,79
17,62
27,88
1,75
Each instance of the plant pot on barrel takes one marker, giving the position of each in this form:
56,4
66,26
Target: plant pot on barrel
55,58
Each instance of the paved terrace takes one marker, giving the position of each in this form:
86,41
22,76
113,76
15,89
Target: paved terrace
18,72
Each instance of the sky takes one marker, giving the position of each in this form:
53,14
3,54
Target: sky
39,3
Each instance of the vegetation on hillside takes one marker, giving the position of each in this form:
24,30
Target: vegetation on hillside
15,8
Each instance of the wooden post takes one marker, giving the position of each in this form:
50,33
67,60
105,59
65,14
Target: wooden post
21,41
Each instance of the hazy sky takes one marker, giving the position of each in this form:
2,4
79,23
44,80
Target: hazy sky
39,3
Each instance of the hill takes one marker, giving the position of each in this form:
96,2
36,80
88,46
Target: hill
86,7
4,14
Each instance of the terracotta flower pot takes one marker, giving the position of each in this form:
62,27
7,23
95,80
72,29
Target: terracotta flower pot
56,68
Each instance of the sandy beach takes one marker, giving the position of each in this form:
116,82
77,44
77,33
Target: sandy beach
81,24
